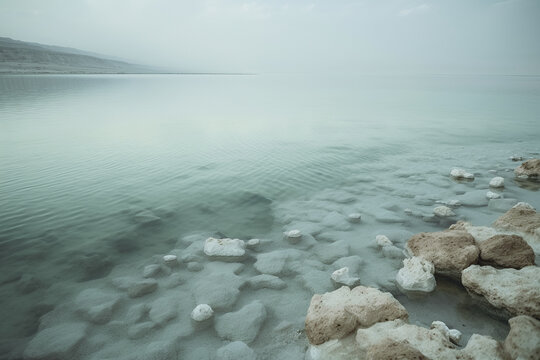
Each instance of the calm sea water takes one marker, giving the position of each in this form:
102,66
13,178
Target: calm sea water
244,156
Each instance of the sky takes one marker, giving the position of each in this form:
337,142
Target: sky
368,37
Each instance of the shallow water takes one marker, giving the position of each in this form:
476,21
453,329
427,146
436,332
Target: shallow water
246,157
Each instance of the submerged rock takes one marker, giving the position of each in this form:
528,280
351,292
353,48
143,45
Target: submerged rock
523,340
335,314
163,309
416,275
331,252
95,305
450,251
57,342
225,249
242,325
354,218
530,168
236,350
506,251
293,236
493,195
514,291
142,287
266,281
220,291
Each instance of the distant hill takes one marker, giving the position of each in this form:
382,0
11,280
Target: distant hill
21,57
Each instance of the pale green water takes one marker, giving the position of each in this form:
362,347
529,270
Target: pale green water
245,156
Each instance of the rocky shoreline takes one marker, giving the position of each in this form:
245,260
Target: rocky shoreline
195,289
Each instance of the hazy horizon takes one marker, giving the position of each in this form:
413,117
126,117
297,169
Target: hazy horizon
394,36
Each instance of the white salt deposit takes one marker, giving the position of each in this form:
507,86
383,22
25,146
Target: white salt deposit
461,174
443,211
202,312
497,182
224,247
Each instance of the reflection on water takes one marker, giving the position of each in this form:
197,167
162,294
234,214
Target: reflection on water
101,171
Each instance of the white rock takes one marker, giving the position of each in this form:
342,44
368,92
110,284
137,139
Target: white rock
170,260
224,248
461,174
453,335
342,276
293,236
516,158
493,195
497,182
416,275
382,241
354,217
202,312
524,206
443,211
253,242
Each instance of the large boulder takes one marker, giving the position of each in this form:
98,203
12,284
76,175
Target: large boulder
523,219
398,340
530,168
450,251
416,276
516,292
506,251
523,340
335,314
242,325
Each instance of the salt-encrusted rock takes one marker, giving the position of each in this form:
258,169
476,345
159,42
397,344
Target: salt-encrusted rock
266,281
530,168
443,211
163,309
96,305
253,243
338,313
516,158
202,312
453,334
522,218
331,252
151,270
492,195
416,275
142,287
523,340
293,236
242,325
57,342
220,291
170,260
225,249
354,218
450,251
461,174
506,251
497,182
236,350
398,340
342,277
516,291
382,241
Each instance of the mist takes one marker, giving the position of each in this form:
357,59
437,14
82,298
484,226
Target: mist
391,36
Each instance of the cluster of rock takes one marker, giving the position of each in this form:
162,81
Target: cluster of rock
365,323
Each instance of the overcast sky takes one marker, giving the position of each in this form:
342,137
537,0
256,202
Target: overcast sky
376,36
